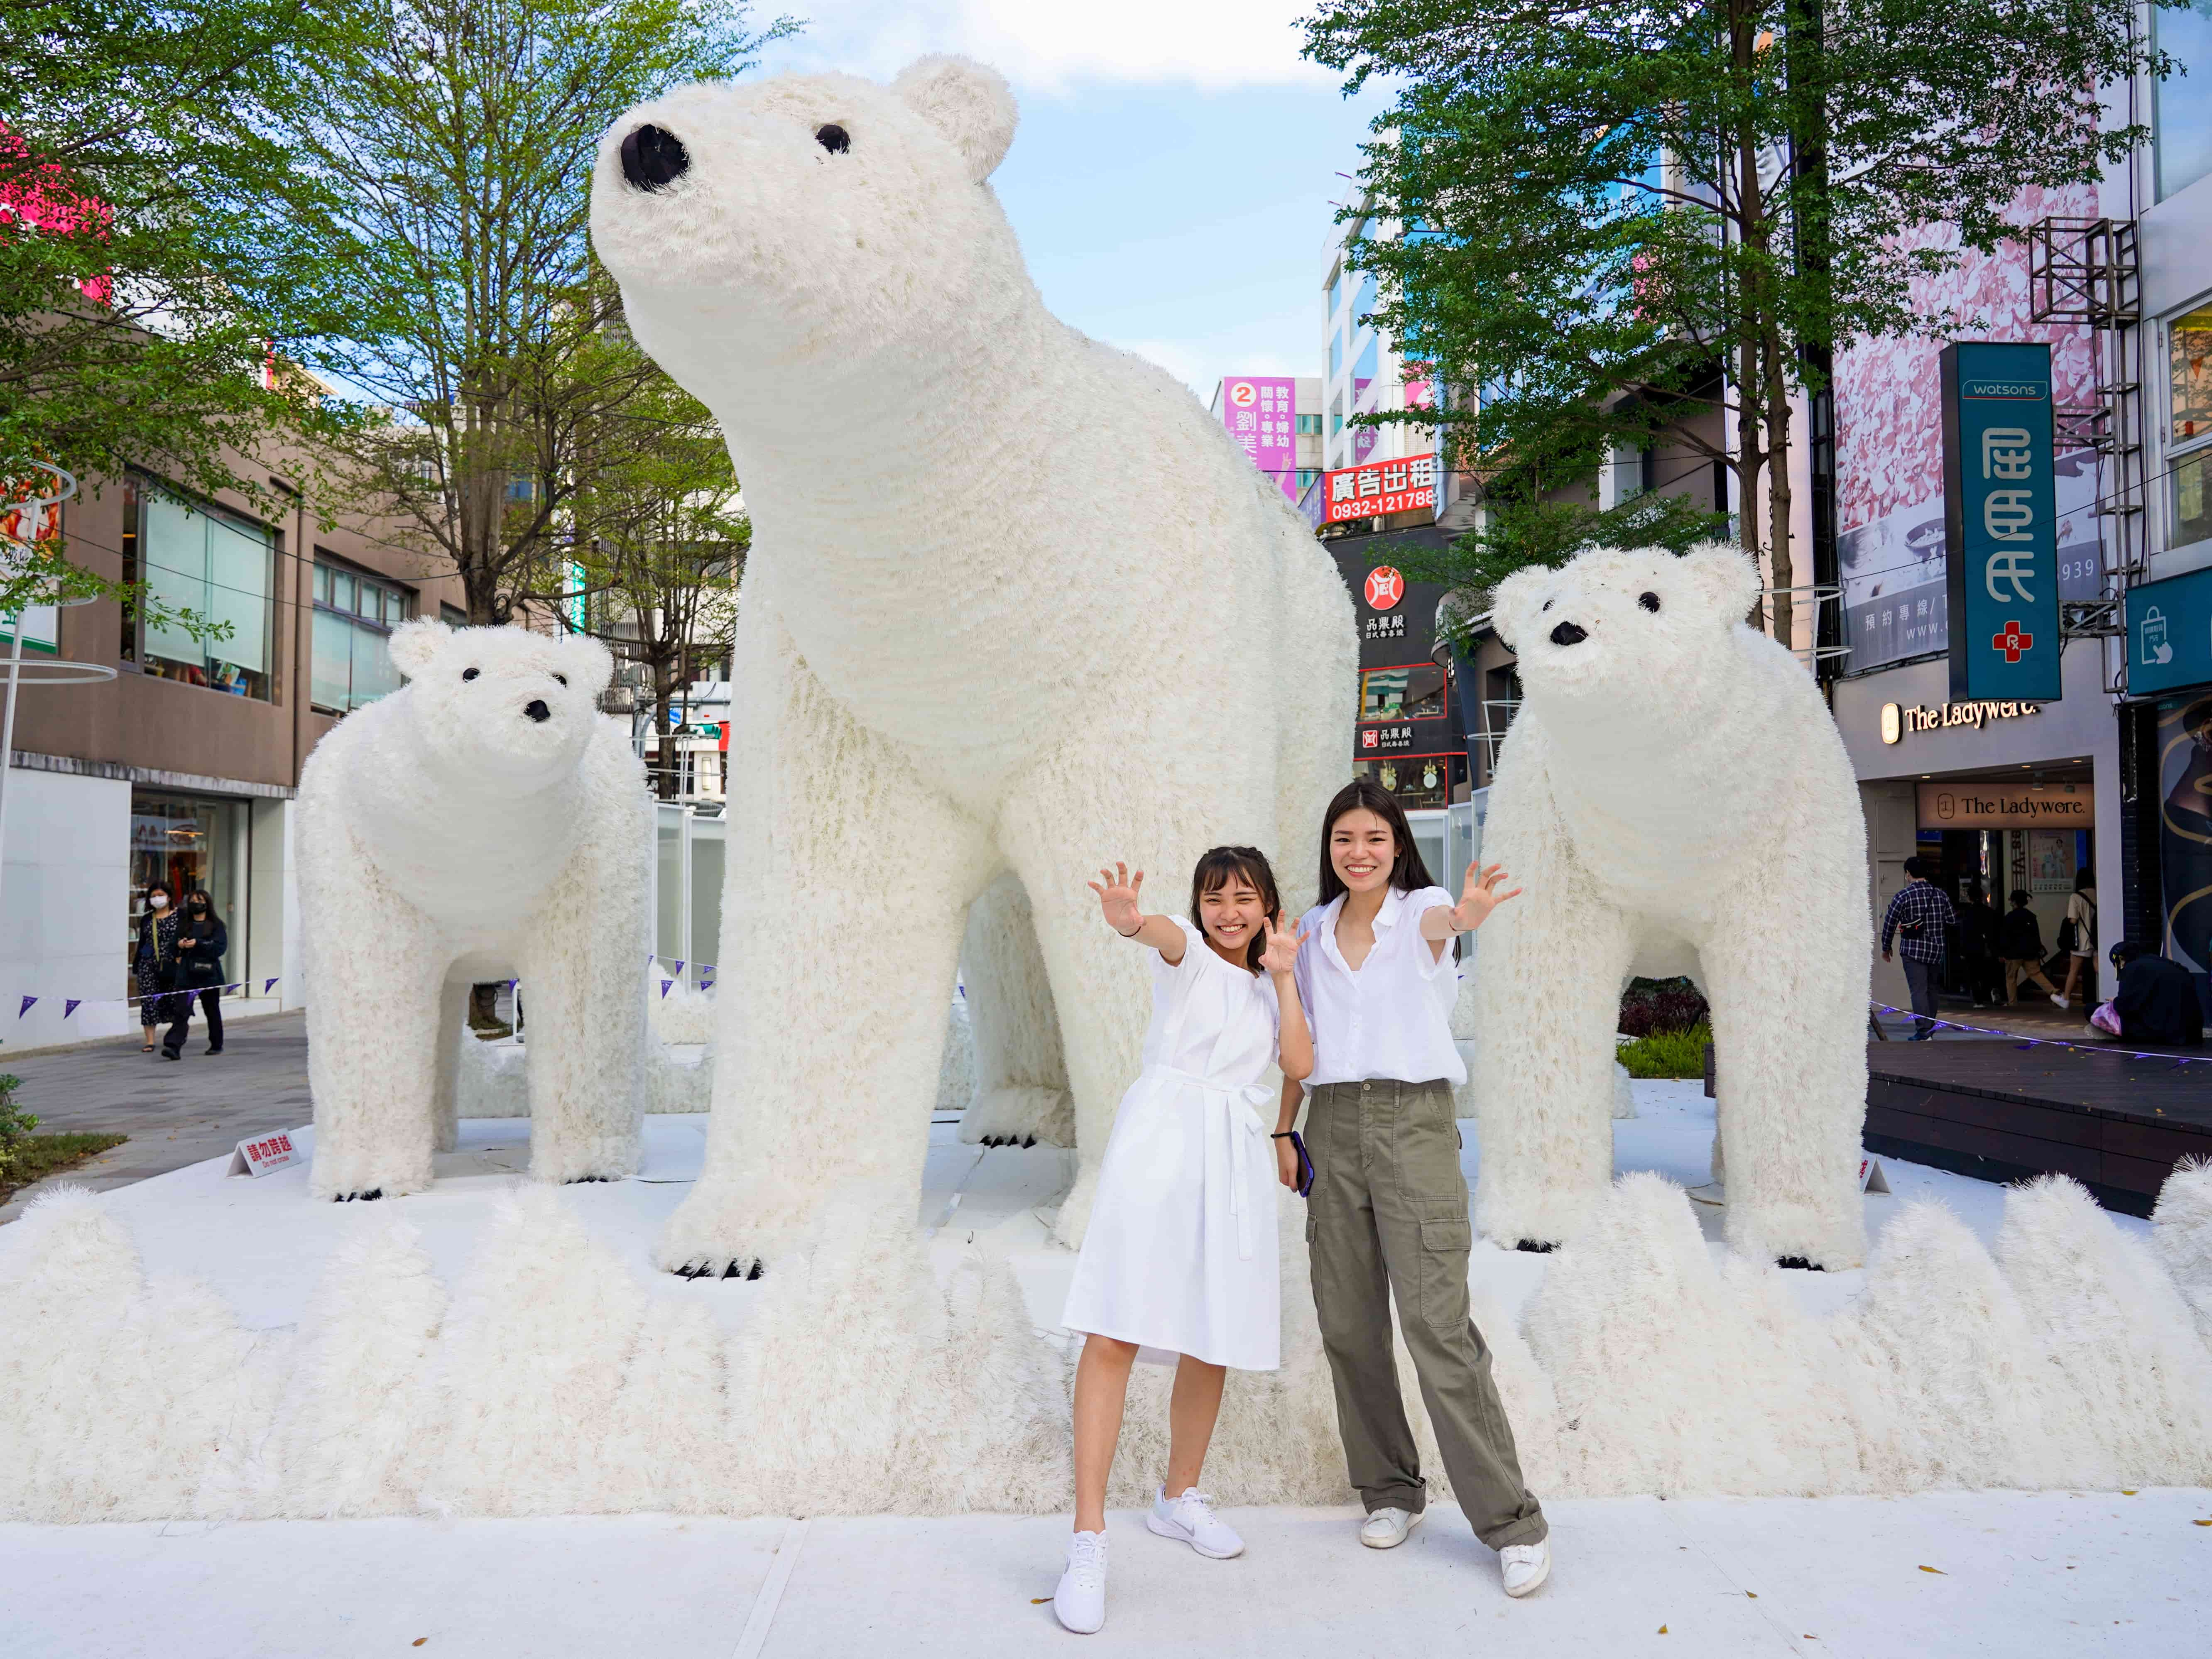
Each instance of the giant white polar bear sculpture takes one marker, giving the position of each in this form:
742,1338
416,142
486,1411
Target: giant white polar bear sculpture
482,822
1674,798
1015,605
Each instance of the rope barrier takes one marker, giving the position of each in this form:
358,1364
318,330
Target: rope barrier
2021,1040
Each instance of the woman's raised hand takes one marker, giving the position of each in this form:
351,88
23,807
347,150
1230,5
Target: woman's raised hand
1117,899
1480,896
1281,954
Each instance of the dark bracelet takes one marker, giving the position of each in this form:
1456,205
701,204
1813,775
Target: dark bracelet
1284,1134
1133,932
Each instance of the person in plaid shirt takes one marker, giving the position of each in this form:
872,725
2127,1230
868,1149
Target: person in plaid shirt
1923,913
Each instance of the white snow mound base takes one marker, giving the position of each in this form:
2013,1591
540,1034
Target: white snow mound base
552,1379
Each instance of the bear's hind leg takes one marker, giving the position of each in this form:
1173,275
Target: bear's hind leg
1789,1057
1021,1076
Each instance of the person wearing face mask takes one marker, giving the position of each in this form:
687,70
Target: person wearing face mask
153,962
202,941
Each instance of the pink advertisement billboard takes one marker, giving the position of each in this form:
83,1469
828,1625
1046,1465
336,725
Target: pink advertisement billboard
1261,412
1889,448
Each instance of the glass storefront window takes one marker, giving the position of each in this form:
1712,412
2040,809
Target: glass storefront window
2189,435
355,615
181,842
219,567
1419,781
1414,692
2181,121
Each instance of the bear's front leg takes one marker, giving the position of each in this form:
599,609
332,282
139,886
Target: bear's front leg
1785,972
375,968
584,984
1548,968
847,878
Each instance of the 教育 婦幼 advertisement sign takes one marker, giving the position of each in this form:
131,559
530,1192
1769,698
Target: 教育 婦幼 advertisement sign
2170,634
2000,521
1261,412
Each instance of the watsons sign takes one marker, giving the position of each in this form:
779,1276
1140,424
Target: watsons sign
1899,721
2004,806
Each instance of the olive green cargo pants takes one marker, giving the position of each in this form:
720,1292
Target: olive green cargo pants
1388,1218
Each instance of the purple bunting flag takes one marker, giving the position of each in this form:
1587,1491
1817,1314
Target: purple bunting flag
26,1008
71,1004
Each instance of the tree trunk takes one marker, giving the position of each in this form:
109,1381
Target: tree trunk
664,745
1754,447
1777,488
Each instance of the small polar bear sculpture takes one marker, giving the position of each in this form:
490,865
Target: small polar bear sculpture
960,656
482,822
1674,797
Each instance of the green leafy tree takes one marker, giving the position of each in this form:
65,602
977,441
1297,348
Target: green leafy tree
667,544
1632,221
452,158
148,263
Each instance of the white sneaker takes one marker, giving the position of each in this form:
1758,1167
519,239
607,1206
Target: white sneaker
1386,1529
1525,1567
1191,1520
1080,1600
2061,1001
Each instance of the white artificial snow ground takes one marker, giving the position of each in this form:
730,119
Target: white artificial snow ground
2018,1573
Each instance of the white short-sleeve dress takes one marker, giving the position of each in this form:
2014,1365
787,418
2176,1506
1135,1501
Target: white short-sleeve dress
1180,1251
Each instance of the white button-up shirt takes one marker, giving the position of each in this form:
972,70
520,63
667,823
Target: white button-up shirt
1392,1018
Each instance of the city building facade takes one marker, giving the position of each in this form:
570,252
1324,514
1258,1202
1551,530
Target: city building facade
181,769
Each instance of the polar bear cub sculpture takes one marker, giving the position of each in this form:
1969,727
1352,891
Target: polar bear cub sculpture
482,822
1674,798
1015,606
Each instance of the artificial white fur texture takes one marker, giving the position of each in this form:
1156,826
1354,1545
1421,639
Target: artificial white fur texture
869,1380
967,678
1715,831
484,822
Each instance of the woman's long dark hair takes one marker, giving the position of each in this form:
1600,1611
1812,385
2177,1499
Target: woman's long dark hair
1215,869
1407,874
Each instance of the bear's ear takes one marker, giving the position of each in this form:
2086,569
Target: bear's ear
415,646
588,663
969,102
1728,581
1516,598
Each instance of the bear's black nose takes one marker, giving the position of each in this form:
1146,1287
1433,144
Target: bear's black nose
536,710
1569,634
654,158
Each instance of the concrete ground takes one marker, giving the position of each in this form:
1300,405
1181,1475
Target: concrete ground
176,1112
1953,1574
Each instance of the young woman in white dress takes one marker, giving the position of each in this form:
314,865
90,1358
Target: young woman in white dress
1180,1255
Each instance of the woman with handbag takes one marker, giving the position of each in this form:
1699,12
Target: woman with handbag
1180,1255
153,962
202,942
2077,933
1388,1220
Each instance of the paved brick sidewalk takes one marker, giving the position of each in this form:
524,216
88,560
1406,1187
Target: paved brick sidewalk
175,1113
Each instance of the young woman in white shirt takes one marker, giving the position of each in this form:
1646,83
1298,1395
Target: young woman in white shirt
1388,1214
1180,1254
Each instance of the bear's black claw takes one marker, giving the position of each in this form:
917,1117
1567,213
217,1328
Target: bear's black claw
756,1271
1536,1246
1799,1262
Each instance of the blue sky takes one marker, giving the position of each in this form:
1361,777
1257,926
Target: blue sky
1174,176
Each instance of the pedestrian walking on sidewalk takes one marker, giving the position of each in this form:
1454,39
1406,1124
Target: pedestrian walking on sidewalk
1180,1255
2077,933
154,963
202,943
1387,1219
2019,946
1977,947
1921,912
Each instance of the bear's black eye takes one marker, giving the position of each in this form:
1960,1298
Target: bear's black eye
833,139
468,673
1547,604
1649,601
560,679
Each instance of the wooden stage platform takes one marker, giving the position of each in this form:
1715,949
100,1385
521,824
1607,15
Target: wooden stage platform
2005,1111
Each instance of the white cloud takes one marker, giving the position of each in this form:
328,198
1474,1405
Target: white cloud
1047,46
